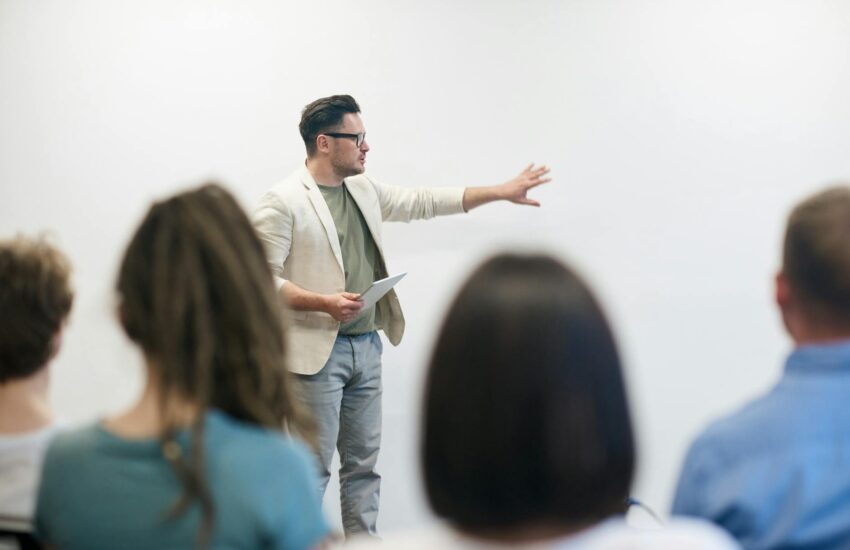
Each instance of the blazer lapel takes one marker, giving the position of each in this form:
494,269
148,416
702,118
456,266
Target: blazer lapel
321,208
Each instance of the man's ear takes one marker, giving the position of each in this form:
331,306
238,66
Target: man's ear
784,295
323,143
782,291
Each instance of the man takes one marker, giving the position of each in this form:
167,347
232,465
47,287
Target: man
35,299
776,474
322,231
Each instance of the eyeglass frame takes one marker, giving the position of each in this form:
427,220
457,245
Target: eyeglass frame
358,138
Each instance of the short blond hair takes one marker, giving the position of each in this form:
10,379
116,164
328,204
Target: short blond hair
35,299
816,255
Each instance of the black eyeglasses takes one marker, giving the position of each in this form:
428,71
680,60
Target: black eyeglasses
358,138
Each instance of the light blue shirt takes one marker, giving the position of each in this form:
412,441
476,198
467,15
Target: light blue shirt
776,474
102,491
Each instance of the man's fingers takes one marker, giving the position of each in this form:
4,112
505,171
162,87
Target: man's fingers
540,181
529,202
539,171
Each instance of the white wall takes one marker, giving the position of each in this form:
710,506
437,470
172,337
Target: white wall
679,133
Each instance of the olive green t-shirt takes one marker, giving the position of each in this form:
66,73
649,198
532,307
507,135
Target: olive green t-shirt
359,253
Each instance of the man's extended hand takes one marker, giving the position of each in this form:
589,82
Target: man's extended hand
516,190
343,306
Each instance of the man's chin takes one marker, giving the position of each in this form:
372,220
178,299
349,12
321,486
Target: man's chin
351,170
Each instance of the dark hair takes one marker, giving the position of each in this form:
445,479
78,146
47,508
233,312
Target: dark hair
198,297
35,299
526,418
816,255
322,115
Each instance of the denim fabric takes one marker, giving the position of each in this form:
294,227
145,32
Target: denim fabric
776,474
345,400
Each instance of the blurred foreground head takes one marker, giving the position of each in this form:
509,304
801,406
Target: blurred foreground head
526,419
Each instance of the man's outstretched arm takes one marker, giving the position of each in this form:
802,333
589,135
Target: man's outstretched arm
514,190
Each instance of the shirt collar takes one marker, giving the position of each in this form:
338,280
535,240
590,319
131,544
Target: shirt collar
819,358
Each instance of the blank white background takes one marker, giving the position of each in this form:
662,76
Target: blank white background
679,134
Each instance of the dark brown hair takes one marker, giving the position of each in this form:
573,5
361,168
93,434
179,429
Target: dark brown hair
816,255
35,299
526,420
198,297
322,115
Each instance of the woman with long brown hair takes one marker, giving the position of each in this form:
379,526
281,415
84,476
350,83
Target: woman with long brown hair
200,459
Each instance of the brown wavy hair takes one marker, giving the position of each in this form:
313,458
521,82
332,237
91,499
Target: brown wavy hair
197,295
35,299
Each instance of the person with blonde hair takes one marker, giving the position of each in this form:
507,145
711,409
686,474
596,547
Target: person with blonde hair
201,458
776,472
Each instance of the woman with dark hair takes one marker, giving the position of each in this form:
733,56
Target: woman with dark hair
201,458
527,437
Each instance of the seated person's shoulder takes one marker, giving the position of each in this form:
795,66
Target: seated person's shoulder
73,443
749,430
678,534
252,446
694,533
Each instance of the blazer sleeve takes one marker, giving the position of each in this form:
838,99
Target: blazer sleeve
273,222
404,204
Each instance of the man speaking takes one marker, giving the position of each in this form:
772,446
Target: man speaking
321,227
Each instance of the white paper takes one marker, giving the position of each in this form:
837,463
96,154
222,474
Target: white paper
377,290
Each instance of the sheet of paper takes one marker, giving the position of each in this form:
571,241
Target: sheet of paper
377,290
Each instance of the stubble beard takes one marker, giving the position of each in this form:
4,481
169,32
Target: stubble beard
348,170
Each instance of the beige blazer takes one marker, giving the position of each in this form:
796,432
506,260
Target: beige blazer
302,246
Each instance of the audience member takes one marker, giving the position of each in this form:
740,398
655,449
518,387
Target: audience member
776,473
200,459
35,299
527,437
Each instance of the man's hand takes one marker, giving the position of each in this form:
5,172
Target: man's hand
516,190
343,306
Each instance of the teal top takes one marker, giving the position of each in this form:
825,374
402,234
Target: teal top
359,253
99,490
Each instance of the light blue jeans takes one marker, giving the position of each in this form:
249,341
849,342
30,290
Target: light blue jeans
345,400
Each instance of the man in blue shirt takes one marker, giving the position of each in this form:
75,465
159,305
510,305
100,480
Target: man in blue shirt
776,474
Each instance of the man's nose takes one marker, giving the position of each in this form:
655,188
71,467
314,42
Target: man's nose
364,146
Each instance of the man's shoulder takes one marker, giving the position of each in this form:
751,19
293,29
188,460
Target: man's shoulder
742,432
294,182
287,191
